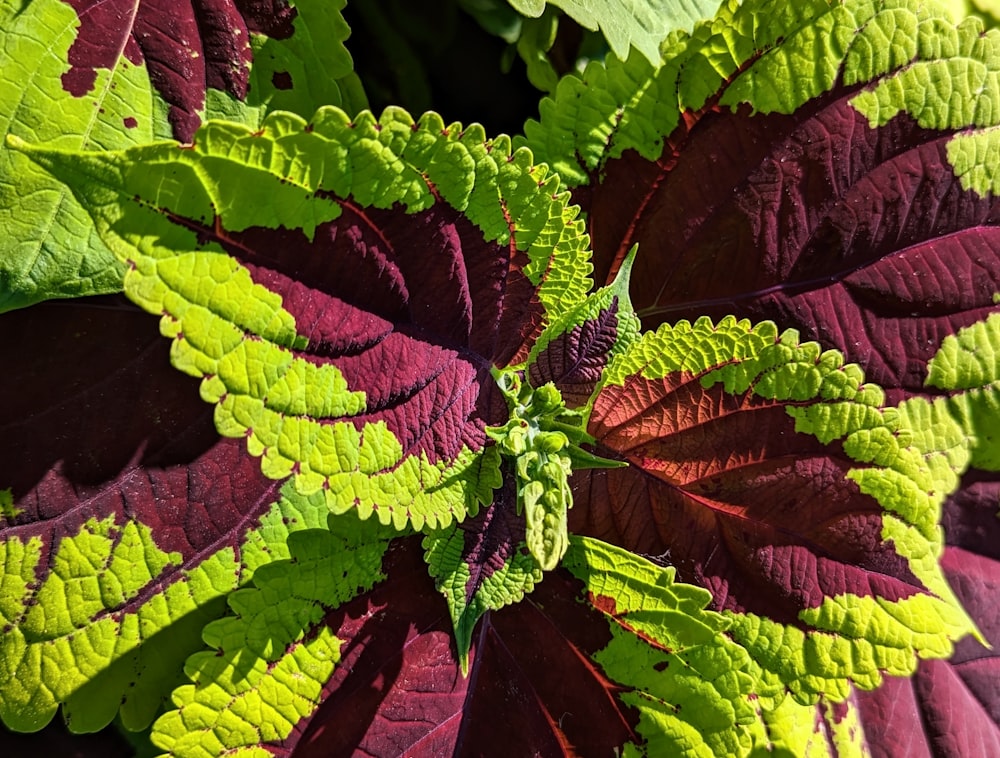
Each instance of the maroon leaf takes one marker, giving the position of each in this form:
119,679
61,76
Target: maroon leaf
957,702
491,539
186,46
726,490
399,688
420,336
94,426
862,238
575,360
97,425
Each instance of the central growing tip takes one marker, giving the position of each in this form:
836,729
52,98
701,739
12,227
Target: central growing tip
542,438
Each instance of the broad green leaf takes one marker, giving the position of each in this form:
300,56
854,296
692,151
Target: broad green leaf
49,247
614,106
641,24
112,75
941,75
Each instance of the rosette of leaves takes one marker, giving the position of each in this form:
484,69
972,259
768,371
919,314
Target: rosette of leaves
387,329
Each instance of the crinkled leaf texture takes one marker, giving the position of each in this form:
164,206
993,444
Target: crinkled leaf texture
829,166
117,73
605,652
344,288
957,701
768,472
127,519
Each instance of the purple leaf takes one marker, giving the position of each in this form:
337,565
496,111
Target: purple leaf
399,689
575,360
417,338
765,471
860,237
98,428
956,701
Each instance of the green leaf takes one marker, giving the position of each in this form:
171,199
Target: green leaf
268,664
94,619
689,682
942,75
533,45
642,24
49,247
968,359
953,84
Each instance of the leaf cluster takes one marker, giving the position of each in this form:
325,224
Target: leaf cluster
666,426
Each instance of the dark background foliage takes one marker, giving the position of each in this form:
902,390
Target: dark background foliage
433,55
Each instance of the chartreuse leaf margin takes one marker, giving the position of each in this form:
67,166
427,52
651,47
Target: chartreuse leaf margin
185,223
776,57
61,640
268,665
846,638
236,334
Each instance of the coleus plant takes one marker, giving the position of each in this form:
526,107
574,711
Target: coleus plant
668,428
